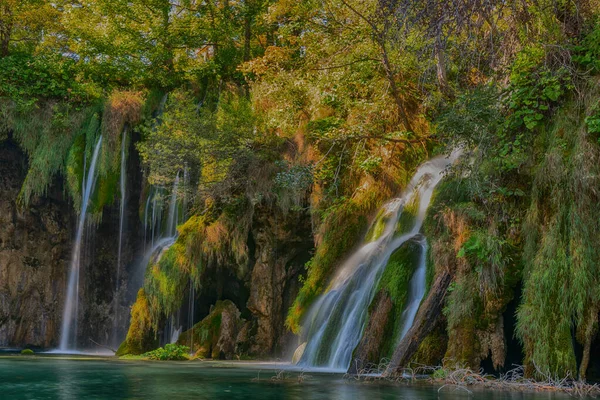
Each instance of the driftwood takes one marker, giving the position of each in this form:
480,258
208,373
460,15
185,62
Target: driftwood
424,323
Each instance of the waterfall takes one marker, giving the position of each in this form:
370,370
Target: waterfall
172,218
159,237
122,180
335,323
68,334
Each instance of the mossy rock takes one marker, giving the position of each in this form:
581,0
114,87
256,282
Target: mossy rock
215,336
408,216
432,349
140,337
378,226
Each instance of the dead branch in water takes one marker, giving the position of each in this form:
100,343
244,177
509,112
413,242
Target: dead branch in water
103,346
460,378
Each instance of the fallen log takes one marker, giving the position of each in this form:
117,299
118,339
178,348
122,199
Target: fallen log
427,316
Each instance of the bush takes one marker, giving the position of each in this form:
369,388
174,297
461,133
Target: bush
27,352
171,352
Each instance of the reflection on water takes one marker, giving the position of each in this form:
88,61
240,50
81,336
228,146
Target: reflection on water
61,378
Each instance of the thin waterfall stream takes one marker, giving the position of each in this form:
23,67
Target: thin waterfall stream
122,181
335,323
68,333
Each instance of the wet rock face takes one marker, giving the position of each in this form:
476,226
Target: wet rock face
34,254
283,246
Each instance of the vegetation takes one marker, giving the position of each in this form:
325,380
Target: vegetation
171,352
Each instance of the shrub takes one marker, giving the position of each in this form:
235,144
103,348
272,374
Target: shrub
27,352
171,352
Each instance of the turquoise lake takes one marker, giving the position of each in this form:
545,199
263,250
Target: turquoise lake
46,377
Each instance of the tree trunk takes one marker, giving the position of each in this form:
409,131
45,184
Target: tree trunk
440,64
424,323
5,29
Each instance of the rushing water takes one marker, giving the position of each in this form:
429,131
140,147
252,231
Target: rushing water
335,322
159,237
68,333
97,379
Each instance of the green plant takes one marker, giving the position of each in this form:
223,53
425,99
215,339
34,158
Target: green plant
27,352
171,352
534,88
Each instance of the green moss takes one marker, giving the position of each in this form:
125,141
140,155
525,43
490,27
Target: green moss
406,221
561,279
27,352
432,349
378,226
140,336
395,282
74,170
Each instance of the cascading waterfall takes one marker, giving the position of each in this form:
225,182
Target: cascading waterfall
335,323
159,237
68,334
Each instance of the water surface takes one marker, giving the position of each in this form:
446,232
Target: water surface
45,377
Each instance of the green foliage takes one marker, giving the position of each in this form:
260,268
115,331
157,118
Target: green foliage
593,122
24,79
47,134
27,352
587,50
171,352
474,118
534,88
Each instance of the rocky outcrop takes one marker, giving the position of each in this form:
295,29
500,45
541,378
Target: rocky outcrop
34,252
283,244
